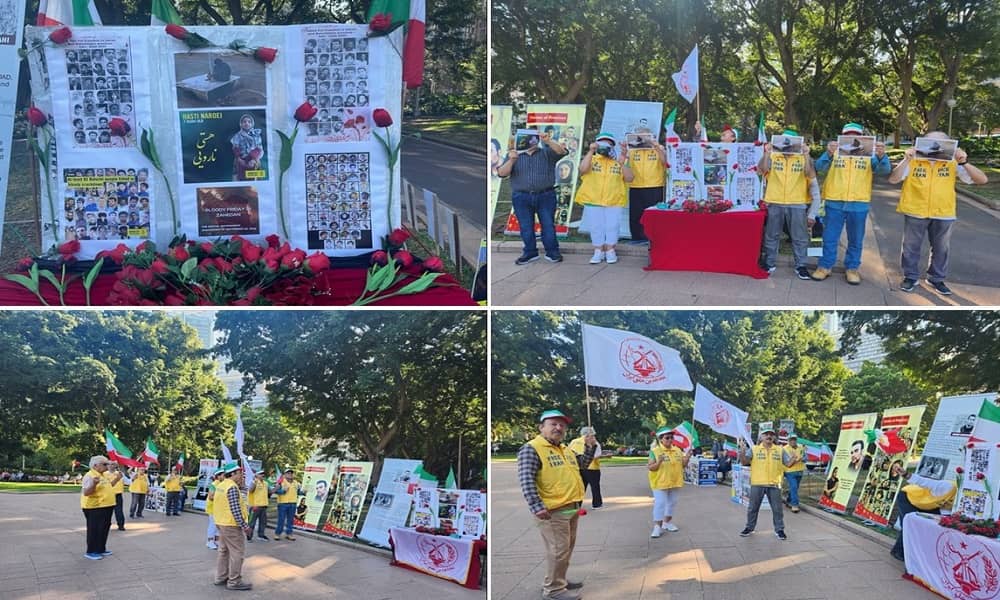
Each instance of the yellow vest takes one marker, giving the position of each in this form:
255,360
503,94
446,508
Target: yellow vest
580,448
923,499
210,499
799,453
647,167
602,185
223,514
929,190
118,488
766,467
103,495
558,481
671,473
786,181
258,497
139,485
290,494
849,179
173,483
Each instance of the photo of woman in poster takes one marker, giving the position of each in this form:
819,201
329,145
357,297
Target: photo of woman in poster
248,147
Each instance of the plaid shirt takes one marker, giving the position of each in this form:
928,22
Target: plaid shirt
528,465
233,496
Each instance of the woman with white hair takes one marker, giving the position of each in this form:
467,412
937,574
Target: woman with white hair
592,474
97,499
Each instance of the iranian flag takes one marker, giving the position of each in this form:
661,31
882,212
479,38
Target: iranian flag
815,451
426,479
180,463
118,452
56,13
163,13
685,436
704,132
412,14
730,449
151,454
761,136
668,128
888,441
987,427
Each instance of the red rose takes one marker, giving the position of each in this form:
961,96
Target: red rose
687,169
725,150
173,300
380,22
398,236
69,248
119,127
181,254
178,32
736,166
382,117
970,445
265,55
223,265
273,240
61,35
379,257
293,259
159,267
980,476
434,263
305,112
581,512
757,143
25,263
318,262
959,470
404,258
207,247
253,293
250,252
36,117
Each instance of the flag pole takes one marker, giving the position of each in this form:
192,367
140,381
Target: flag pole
586,385
586,399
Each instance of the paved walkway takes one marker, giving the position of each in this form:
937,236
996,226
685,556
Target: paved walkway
705,560
157,558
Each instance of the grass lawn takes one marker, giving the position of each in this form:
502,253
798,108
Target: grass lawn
464,130
990,190
35,488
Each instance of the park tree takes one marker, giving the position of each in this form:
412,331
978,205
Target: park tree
273,439
877,387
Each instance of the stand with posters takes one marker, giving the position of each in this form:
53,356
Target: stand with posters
847,460
892,453
156,499
461,510
714,171
393,497
565,122
349,498
317,480
977,490
945,446
206,467
740,492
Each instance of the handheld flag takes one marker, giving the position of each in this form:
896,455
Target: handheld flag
180,463
686,79
704,132
226,454
56,13
151,454
238,434
685,436
413,46
761,136
425,477
163,13
449,483
118,452
720,415
625,360
668,127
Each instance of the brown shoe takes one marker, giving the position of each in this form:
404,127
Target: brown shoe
222,582
240,586
853,277
820,274
289,538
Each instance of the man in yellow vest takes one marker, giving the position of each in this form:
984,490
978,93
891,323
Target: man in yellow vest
138,490
795,470
257,499
649,166
788,200
173,486
549,474
288,495
603,176
230,511
847,191
592,474
118,487
928,205
97,499
767,462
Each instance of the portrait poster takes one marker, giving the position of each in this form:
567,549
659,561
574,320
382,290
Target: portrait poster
206,468
11,18
156,499
565,123
740,491
348,498
318,479
500,125
103,205
899,428
847,460
787,144
953,423
338,201
391,503
626,117
976,496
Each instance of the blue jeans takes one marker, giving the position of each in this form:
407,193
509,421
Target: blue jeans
794,479
833,223
286,512
526,206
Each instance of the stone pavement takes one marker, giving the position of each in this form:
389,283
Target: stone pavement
156,558
705,560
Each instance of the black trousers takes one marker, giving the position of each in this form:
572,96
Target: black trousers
258,515
592,477
904,507
119,511
138,503
639,199
98,527
173,503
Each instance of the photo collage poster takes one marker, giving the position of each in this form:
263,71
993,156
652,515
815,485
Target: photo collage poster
318,480
206,468
565,122
500,128
390,506
624,117
847,460
884,479
462,510
953,423
976,497
714,171
348,498
339,167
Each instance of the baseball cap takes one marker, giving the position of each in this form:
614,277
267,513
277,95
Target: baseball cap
554,414
231,467
792,435
604,135
767,430
288,470
790,130
663,430
852,128
219,471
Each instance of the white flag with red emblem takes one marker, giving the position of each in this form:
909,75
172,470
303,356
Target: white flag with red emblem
628,361
720,415
686,79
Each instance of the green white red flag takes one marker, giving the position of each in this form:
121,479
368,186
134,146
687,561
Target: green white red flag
987,427
56,13
118,452
151,454
180,463
685,436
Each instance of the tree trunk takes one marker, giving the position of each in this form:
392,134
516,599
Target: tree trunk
952,61
903,124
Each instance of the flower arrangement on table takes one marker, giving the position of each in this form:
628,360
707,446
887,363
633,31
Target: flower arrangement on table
706,206
970,526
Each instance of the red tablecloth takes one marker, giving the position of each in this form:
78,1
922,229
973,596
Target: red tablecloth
455,559
346,283
717,243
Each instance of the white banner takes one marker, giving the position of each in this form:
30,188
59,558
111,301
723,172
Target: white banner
720,415
391,504
10,40
628,361
444,557
949,562
686,79
953,423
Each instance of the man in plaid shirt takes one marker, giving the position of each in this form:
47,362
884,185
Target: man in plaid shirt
549,473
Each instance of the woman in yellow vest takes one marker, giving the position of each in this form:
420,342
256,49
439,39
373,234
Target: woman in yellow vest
666,475
648,161
118,488
138,490
97,499
928,205
257,498
592,474
767,462
793,472
603,196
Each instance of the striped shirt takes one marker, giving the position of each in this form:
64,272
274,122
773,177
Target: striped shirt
535,172
233,496
528,465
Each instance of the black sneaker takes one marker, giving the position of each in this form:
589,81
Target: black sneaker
554,258
803,273
781,535
770,269
526,258
939,287
746,531
908,285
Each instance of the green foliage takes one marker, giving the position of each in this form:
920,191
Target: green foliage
273,439
876,388
981,148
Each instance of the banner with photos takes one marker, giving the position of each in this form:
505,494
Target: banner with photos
317,481
348,499
714,171
206,468
215,112
500,124
624,117
462,510
893,446
953,423
847,461
565,122
977,495
390,506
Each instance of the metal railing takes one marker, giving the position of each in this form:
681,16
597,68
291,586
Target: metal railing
455,235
